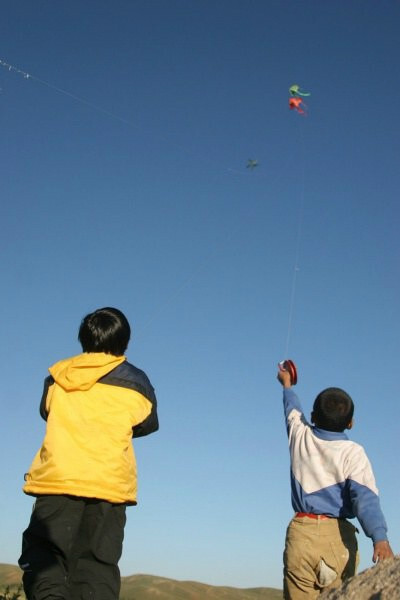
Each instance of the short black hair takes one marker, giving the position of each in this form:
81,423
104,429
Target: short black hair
333,409
105,330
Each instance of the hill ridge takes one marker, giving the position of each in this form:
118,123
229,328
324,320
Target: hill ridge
141,586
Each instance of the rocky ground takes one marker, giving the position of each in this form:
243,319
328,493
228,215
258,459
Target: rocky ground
381,582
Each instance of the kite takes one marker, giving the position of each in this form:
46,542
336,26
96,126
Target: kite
296,91
298,105
251,164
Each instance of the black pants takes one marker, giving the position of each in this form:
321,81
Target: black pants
71,549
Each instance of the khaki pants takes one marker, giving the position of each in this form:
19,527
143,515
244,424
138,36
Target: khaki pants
319,555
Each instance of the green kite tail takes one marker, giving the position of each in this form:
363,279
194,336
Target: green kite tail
295,91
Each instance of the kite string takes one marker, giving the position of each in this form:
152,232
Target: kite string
296,267
96,107
26,75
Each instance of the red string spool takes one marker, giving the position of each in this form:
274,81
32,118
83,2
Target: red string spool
288,365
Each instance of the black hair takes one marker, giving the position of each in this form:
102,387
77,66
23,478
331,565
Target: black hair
105,330
333,409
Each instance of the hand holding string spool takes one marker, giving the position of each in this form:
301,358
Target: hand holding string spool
288,365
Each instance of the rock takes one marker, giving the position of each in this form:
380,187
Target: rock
381,582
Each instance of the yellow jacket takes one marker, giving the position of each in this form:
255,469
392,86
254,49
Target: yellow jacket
93,403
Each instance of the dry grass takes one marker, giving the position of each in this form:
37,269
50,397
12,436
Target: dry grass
11,594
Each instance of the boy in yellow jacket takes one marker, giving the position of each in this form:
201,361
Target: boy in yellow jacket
84,475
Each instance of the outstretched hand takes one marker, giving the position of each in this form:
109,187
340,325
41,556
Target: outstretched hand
382,550
284,378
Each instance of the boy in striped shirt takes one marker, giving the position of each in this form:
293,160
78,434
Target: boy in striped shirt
331,481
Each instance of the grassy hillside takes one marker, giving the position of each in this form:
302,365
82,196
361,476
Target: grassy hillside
150,587
147,587
9,575
10,582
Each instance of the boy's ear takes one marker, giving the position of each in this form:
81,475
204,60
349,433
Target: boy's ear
350,425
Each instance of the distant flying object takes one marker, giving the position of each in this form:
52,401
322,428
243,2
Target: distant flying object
251,164
295,90
298,105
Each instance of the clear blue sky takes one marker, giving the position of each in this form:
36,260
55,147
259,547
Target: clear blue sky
124,183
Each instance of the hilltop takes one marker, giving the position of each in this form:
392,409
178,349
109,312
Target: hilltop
148,587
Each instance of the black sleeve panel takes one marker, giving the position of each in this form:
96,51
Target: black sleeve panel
150,424
47,383
129,376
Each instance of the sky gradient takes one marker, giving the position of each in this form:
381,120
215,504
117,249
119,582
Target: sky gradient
124,183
